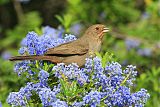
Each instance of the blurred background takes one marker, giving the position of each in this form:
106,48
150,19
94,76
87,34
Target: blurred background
134,37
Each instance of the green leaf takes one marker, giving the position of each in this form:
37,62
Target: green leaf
66,20
63,86
60,18
98,54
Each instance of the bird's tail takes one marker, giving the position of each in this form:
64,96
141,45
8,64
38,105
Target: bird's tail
32,57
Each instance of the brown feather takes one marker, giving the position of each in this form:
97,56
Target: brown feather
53,59
78,47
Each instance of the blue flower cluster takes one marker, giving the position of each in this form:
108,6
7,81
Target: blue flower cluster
22,67
132,43
43,77
22,98
93,85
6,55
34,44
72,72
93,98
112,82
135,44
145,52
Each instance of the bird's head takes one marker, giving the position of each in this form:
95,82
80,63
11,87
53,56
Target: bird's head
97,31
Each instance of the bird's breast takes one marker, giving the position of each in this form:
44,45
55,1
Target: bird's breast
95,47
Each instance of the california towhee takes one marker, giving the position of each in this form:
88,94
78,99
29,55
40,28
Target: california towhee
75,51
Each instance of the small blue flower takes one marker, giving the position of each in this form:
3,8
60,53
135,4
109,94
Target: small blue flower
69,38
43,77
47,96
24,42
93,98
78,104
145,52
59,103
55,33
76,28
26,91
89,64
6,55
37,87
71,71
114,72
113,68
97,64
32,42
22,50
57,88
121,97
132,43
21,67
16,99
131,73
140,98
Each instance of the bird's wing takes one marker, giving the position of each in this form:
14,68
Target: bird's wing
70,48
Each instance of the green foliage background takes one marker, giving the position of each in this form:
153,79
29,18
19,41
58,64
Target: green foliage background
133,19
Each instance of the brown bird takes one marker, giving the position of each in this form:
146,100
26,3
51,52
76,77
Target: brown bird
75,51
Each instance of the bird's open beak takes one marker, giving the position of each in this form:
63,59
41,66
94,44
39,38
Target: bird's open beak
105,30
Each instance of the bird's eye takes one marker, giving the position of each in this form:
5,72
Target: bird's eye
97,28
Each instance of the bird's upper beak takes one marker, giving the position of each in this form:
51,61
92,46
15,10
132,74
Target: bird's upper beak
105,29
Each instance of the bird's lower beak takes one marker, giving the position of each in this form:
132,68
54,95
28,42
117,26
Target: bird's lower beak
105,29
